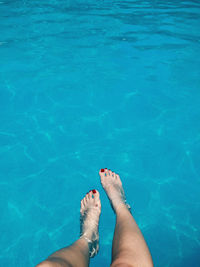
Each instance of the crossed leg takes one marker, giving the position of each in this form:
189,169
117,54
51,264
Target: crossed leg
129,247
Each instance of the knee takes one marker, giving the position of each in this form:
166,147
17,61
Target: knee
46,264
121,264
55,262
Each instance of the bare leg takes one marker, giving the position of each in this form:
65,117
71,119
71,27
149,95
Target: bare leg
79,253
129,247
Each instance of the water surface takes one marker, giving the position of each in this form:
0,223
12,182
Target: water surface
86,85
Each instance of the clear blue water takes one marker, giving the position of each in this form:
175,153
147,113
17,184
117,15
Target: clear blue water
86,85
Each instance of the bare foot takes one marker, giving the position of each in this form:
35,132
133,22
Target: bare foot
89,218
113,186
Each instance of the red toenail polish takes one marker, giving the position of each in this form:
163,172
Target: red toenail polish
102,170
94,191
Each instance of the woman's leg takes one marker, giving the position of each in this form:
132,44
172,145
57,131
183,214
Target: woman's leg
75,255
78,254
129,247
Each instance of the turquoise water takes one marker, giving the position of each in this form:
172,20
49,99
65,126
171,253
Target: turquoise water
86,85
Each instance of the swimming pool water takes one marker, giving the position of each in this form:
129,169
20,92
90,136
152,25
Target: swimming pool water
86,85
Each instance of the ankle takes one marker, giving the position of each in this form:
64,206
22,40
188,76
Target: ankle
121,208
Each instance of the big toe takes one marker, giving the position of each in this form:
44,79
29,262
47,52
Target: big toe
105,175
96,196
102,174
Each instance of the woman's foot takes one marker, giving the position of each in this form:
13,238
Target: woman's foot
89,218
113,186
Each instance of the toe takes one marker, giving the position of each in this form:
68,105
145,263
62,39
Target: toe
117,177
82,206
118,180
102,172
106,172
84,201
109,172
113,174
96,197
95,194
90,196
102,175
87,198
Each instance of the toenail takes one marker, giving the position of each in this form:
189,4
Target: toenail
102,170
94,191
